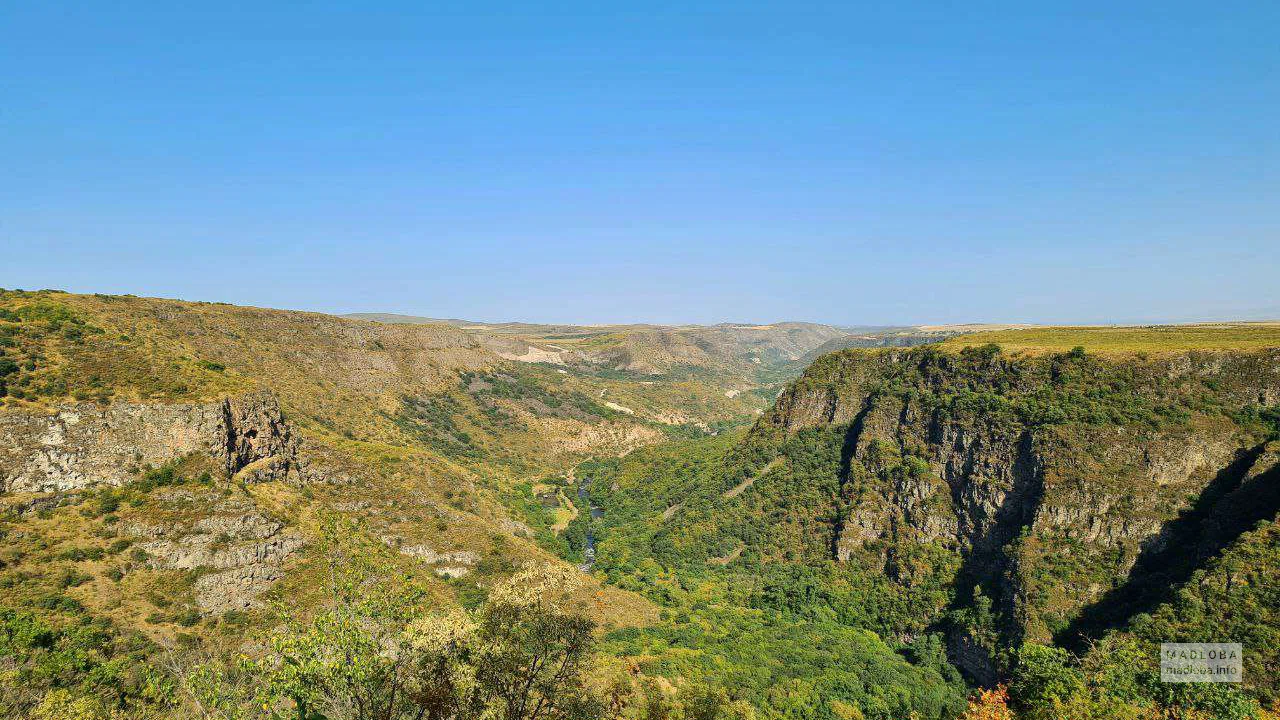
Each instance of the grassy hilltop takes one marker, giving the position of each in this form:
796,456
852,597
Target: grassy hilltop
1129,340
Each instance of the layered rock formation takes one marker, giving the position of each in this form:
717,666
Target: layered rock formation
455,564
80,445
1070,489
238,552
241,551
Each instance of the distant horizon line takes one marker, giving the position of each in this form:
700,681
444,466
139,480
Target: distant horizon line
928,326
939,326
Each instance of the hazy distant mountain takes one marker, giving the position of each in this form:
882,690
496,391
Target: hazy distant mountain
645,349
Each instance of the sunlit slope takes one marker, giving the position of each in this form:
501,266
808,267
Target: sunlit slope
1128,339
741,350
430,440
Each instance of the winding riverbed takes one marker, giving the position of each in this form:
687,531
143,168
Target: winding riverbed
584,499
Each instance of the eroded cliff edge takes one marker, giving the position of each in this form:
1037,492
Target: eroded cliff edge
238,552
79,445
1043,497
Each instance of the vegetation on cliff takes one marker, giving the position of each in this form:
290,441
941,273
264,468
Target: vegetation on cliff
1002,501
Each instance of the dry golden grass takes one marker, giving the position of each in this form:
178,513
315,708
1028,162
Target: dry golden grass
339,382
1151,340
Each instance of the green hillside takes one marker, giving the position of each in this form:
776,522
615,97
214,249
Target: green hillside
998,504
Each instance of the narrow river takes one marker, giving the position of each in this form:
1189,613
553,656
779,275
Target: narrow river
584,500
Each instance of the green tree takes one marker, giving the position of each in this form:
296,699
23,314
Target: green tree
1044,680
522,656
376,653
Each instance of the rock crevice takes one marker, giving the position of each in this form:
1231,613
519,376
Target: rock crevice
82,445
1011,473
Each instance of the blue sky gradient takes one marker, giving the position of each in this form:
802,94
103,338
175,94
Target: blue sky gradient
895,162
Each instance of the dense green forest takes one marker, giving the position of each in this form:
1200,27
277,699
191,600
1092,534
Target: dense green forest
736,537
757,627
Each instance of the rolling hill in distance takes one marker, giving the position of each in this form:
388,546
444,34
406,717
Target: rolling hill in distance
742,348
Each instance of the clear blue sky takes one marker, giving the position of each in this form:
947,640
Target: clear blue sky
846,162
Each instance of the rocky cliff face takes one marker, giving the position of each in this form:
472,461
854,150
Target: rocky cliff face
1062,487
80,445
239,552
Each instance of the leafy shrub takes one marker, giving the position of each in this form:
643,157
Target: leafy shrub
72,578
79,554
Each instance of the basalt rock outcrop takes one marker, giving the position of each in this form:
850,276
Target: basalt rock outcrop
80,445
455,564
239,552
1062,488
